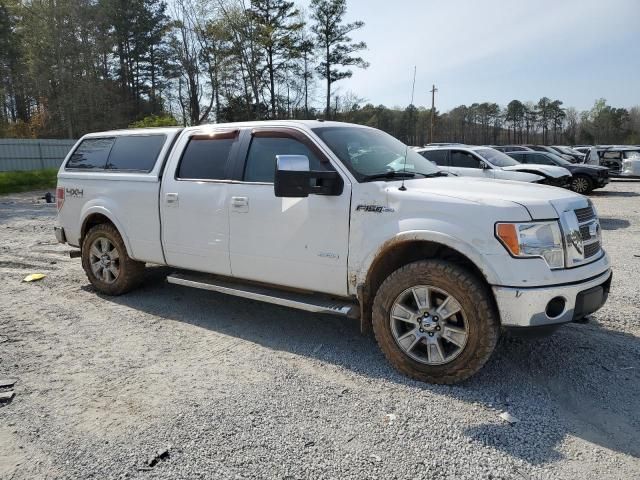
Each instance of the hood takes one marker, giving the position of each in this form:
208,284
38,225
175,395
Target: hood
541,201
547,170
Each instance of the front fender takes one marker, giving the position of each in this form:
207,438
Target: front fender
461,246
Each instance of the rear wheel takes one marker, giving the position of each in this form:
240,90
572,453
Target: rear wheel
106,262
434,321
581,184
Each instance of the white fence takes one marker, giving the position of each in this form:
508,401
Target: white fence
28,154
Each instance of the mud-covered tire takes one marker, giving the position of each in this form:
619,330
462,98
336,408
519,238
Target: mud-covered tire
130,272
581,184
483,326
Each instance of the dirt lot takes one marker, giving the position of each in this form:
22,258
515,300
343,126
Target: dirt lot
239,389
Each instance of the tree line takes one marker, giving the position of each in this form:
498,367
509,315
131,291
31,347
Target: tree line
72,66
545,122
68,67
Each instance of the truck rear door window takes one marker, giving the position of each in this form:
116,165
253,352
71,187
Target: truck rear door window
91,154
135,152
205,159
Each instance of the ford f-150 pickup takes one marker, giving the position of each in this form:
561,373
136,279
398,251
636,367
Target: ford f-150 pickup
335,218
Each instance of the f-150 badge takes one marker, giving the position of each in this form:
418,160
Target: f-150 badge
373,208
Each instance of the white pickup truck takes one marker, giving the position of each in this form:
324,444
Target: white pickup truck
335,218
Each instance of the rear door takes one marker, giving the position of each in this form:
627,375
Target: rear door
468,165
294,242
194,201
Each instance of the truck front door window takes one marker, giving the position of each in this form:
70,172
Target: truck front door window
261,159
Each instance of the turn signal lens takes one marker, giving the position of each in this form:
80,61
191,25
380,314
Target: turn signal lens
509,236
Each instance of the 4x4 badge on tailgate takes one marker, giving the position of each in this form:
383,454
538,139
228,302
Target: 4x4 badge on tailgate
73,192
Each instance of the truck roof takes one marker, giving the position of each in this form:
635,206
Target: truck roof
304,124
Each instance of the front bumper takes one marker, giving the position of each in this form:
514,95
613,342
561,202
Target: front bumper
60,236
529,307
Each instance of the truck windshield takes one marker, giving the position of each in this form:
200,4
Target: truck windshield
367,152
496,158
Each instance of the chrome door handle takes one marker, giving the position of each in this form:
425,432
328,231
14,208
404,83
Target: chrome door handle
171,198
240,204
239,201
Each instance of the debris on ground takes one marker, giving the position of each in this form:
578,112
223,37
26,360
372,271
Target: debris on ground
7,382
506,416
161,454
33,277
389,418
6,396
375,458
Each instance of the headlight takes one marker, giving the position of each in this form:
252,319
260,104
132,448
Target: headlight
533,239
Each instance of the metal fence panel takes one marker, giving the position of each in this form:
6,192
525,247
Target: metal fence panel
30,154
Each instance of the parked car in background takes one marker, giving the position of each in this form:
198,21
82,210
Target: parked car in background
545,148
489,163
562,149
511,148
613,157
631,167
584,149
584,179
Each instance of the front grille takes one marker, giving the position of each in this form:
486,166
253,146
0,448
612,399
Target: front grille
584,232
591,249
585,214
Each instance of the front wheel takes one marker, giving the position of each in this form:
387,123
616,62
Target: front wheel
435,322
581,184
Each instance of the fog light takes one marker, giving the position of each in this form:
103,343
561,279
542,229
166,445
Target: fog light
555,307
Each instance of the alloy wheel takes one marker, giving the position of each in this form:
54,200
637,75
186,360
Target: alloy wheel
580,185
105,260
429,325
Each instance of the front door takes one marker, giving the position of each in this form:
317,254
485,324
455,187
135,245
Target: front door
294,242
194,202
468,165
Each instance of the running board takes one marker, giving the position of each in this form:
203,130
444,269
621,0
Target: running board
301,301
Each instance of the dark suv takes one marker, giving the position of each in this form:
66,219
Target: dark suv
584,177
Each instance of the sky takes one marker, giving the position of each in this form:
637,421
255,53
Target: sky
497,51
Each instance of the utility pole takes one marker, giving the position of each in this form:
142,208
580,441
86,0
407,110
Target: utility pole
433,108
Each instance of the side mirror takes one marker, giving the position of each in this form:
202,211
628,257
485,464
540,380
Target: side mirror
293,178
484,165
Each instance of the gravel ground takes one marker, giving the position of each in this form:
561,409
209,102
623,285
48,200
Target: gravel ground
238,389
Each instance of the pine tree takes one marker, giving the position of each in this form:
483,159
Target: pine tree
333,41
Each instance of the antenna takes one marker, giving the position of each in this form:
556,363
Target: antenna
406,150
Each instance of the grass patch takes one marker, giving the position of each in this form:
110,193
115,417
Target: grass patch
13,182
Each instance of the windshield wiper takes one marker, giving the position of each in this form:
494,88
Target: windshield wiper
390,174
436,174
